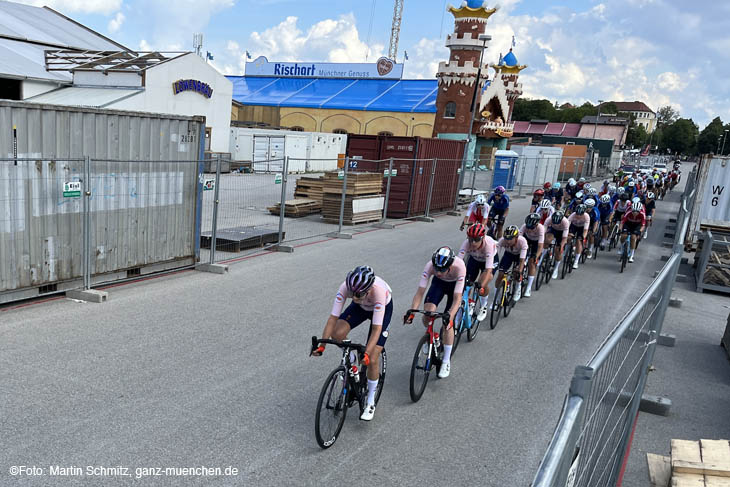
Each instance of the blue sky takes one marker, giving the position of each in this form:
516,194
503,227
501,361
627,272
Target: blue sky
657,51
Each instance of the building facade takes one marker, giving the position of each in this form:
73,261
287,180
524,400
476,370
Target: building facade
644,115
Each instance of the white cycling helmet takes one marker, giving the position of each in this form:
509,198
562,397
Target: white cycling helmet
571,182
480,200
582,180
545,204
605,199
593,191
631,183
611,188
620,190
590,203
635,199
636,206
651,195
579,195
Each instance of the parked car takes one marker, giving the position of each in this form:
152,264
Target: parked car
661,167
645,168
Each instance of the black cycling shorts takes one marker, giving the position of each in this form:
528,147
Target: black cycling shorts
355,315
438,289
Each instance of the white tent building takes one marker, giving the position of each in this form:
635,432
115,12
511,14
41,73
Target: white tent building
48,58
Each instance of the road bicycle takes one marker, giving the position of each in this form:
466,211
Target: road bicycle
568,256
465,319
494,222
429,353
346,386
503,302
625,252
613,236
547,265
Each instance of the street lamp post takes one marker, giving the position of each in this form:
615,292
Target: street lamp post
484,38
724,138
595,126
719,139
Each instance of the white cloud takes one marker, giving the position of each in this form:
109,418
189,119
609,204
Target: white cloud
671,81
144,46
116,23
83,6
336,41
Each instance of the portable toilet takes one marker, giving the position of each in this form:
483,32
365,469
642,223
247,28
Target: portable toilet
505,163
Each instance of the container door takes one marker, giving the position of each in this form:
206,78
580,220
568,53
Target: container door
261,153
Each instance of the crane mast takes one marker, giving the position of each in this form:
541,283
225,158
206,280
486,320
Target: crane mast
395,29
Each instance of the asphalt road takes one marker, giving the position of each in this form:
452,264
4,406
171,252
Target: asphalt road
200,369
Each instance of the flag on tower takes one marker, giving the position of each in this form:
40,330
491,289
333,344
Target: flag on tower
248,55
208,55
501,59
405,55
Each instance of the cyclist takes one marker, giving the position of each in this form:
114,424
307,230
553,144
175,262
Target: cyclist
515,252
595,217
449,273
604,187
631,188
632,224
555,195
579,225
658,185
534,233
371,300
537,197
499,210
477,212
581,184
649,206
545,211
571,190
577,200
557,228
622,204
481,249
605,210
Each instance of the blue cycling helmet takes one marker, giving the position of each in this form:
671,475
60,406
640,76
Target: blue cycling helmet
556,186
442,259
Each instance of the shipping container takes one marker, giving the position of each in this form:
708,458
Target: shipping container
412,163
143,185
537,164
712,207
267,148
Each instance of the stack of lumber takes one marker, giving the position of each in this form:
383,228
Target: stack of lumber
363,201
704,463
296,208
309,188
719,254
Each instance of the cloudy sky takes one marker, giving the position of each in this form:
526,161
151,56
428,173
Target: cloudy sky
662,52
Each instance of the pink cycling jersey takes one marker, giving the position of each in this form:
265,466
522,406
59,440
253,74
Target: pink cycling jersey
519,248
456,273
484,253
581,221
537,233
376,300
564,226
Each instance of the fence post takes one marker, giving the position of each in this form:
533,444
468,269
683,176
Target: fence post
522,178
382,223
425,217
215,210
282,208
534,172
87,223
339,233
474,177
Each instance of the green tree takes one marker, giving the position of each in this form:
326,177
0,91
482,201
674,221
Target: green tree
636,136
666,116
708,139
681,136
527,110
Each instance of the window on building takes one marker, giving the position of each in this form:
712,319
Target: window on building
208,135
297,128
339,131
450,110
385,132
10,89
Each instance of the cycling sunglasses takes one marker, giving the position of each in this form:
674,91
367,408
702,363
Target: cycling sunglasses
475,239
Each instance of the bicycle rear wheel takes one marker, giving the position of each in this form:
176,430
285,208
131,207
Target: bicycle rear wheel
458,328
471,333
507,302
331,408
420,368
624,257
496,309
540,273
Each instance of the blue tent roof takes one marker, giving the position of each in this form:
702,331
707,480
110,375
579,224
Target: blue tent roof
391,95
510,59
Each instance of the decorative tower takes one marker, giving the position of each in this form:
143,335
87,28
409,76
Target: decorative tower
498,100
457,77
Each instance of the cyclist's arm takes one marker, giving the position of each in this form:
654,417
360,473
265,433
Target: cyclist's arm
329,327
418,298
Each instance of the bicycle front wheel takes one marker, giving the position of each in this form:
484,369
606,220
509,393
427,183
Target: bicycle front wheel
383,360
331,408
420,368
458,328
540,273
496,310
471,333
508,302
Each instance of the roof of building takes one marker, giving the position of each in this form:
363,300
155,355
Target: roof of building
26,32
605,120
85,97
510,59
542,127
632,106
390,95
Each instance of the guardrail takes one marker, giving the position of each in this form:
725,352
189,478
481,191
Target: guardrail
590,444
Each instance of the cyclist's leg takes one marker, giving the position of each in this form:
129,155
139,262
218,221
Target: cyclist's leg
434,295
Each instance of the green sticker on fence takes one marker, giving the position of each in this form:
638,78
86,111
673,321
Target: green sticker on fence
209,185
392,173
72,189
277,179
340,174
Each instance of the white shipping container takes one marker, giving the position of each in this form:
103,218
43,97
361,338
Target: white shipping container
307,151
713,193
537,164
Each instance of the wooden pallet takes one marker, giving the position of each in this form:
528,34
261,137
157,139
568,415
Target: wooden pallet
310,188
358,183
704,463
331,209
297,208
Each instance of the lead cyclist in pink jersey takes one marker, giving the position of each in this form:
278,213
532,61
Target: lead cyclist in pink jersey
557,229
371,299
449,273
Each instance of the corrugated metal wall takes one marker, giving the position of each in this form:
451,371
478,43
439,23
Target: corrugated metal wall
143,184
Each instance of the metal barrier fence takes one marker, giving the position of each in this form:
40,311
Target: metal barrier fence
590,444
68,223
